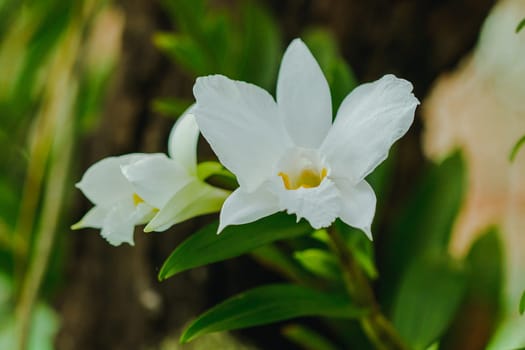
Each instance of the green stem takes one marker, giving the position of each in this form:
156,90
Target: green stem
376,326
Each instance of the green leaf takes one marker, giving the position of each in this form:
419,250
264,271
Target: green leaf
522,303
44,328
171,107
427,301
205,246
269,304
486,275
44,321
51,26
210,168
320,263
187,14
516,148
217,38
261,47
361,247
520,26
509,335
185,51
424,225
272,257
307,338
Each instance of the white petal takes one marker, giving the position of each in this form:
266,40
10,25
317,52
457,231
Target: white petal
119,225
358,205
303,96
196,198
143,213
242,124
103,182
242,207
370,119
319,205
94,218
156,178
182,143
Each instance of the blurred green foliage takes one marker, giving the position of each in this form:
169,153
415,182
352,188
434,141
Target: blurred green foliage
307,338
47,91
244,46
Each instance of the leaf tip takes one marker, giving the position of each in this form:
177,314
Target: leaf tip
516,148
187,336
162,275
520,26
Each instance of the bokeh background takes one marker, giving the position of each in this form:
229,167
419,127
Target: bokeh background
83,80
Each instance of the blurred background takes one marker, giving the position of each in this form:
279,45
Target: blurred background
83,80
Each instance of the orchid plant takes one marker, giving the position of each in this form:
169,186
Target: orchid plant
287,156
136,189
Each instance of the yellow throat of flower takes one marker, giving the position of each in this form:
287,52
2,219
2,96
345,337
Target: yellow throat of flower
137,199
308,178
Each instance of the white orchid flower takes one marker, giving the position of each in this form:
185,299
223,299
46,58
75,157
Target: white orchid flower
287,154
173,184
117,208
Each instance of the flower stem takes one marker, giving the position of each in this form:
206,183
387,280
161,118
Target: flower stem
376,326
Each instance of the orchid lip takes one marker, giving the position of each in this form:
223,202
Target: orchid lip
302,168
137,199
307,178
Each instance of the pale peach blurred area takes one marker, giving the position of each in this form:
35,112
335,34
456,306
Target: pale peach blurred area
479,108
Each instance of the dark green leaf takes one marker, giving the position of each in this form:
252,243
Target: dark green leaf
320,263
184,50
516,148
171,107
269,304
188,15
217,39
307,338
50,27
424,225
427,301
382,177
485,260
92,88
205,246
272,257
520,26
522,303
361,247
261,47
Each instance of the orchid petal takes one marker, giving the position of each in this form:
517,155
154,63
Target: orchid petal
242,207
119,225
318,205
182,143
358,205
303,96
243,125
156,178
196,198
103,182
94,218
371,118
